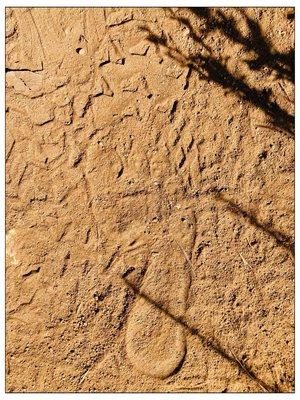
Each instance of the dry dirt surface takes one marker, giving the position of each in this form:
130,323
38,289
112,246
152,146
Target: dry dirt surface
149,200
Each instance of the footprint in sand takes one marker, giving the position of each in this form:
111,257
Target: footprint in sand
155,341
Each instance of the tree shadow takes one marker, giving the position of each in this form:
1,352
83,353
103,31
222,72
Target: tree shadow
212,68
282,239
209,343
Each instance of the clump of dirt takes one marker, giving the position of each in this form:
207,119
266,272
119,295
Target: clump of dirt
150,199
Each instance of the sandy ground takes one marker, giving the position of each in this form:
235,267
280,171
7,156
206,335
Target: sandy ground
149,200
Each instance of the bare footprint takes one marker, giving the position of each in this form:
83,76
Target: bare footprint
155,338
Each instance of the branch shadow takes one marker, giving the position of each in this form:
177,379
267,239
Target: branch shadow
282,239
207,342
265,54
212,68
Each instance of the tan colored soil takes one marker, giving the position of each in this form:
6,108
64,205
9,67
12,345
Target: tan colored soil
150,200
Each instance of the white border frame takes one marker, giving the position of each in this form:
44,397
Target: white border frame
132,3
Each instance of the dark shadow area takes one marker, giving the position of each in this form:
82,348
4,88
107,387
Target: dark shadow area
212,68
265,55
207,342
282,239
